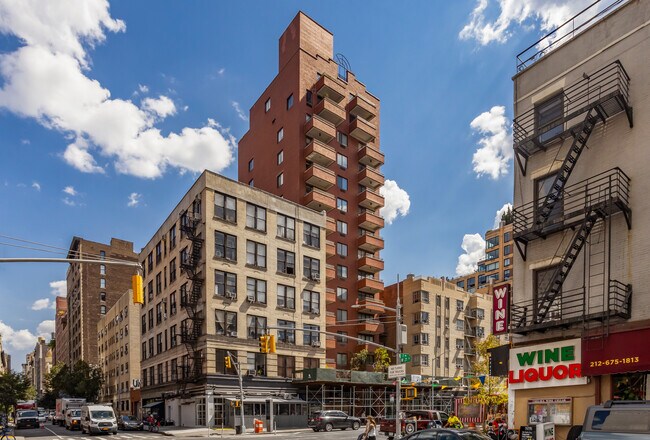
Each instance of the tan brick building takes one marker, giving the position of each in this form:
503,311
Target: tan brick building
496,268
61,333
118,342
93,288
444,323
42,364
582,219
314,139
229,262
5,359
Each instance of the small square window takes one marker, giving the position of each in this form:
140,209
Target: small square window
251,164
280,134
342,249
280,157
341,204
308,97
280,180
342,183
341,227
342,138
267,105
251,182
290,101
342,161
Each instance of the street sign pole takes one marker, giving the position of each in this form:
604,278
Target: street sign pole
398,360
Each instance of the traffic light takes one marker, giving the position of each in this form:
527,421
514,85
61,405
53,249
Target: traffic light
228,362
264,343
272,345
136,286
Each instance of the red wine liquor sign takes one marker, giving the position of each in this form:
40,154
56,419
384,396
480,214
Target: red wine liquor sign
500,303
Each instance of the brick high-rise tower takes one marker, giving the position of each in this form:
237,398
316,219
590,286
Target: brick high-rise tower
314,139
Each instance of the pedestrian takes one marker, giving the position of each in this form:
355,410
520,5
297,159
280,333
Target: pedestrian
371,429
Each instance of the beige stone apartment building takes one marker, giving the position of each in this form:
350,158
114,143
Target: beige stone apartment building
444,323
118,344
42,364
5,359
582,219
228,263
496,268
93,288
314,139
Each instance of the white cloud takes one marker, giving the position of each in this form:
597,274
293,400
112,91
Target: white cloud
397,201
161,107
53,63
59,288
221,71
69,201
143,88
239,111
36,186
17,339
44,303
499,214
134,200
25,141
45,328
70,191
548,14
474,247
495,151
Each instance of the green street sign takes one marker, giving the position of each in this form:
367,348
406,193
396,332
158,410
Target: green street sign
405,357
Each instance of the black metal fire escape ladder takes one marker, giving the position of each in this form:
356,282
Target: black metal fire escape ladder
191,300
580,139
577,243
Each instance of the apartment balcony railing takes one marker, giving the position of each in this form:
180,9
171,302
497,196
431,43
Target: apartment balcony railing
574,306
372,306
330,248
330,226
565,32
320,153
361,107
370,285
370,243
371,178
330,111
370,221
319,200
606,89
320,129
370,200
608,191
370,264
330,295
328,87
369,326
362,130
370,156
330,272
320,177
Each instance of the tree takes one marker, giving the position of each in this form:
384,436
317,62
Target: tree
359,360
494,391
382,360
507,217
13,387
82,380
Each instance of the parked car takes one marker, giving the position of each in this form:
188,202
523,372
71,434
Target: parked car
127,423
414,421
614,420
42,416
328,420
447,434
27,419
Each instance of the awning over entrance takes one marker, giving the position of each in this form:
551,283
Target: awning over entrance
624,352
152,404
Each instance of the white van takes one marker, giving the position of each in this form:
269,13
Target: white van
97,419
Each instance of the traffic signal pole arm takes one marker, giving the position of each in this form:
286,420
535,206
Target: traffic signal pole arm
333,334
72,260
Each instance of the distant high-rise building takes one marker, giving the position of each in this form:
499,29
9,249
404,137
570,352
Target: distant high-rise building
5,359
93,288
314,140
61,334
42,364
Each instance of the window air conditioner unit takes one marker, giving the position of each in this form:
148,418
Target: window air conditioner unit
315,344
233,334
315,311
164,315
289,270
231,295
315,277
446,325
250,298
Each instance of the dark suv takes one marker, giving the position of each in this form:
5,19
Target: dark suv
328,420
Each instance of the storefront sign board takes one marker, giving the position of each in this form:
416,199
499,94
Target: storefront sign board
500,305
623,352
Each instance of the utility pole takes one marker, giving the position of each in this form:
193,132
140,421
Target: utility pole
398,360
241,392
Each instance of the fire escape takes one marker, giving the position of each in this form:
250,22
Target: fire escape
191,369
582,211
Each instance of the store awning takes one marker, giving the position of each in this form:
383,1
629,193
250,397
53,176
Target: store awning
256,399
624,352
152,404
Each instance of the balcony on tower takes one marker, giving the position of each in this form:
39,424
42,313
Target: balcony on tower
330,248
330,272
371,306
369,326
330,226
370,199
370,264
370,156
330,111
320,153
370,243
361,107
328,87
320,177
370,178
319,200
320,129
370,221
330,295
362,130
370,285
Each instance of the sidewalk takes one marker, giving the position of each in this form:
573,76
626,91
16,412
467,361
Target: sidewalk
177,431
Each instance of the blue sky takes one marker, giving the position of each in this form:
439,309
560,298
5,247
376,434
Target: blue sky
108,117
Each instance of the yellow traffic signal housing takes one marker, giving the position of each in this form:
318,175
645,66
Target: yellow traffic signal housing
228,362
234,403
409,393
264,343
272,345
136,286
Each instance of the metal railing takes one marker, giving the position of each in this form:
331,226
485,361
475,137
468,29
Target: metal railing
564,33
575,201
573,306
606,83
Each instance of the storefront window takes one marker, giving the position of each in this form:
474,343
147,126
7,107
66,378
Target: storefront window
557,411
630,386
